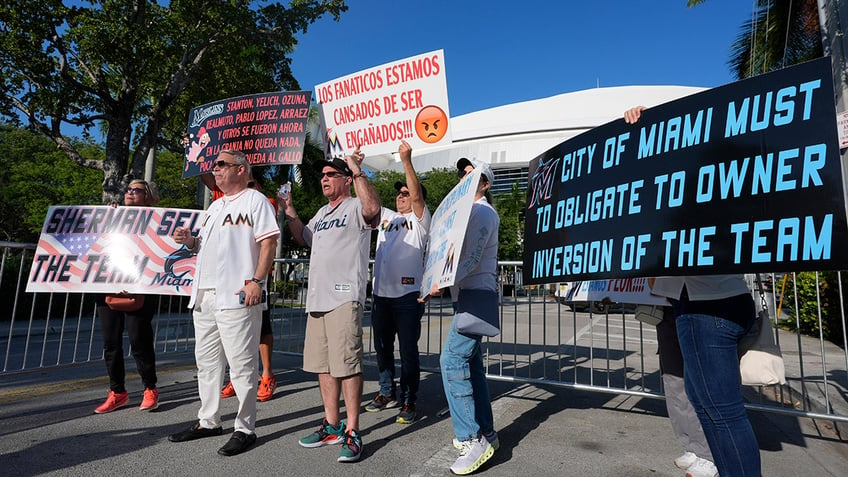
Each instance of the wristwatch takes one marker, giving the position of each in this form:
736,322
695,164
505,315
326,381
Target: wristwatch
259,282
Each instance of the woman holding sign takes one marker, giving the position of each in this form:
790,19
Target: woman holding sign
116,312
713,313
475,292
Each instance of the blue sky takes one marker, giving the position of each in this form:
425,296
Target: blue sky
500,52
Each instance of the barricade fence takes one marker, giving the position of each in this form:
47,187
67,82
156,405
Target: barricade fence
589,346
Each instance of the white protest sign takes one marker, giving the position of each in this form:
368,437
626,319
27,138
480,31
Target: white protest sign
623,290
378,107
447,232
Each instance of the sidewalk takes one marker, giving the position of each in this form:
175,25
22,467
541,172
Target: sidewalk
49,429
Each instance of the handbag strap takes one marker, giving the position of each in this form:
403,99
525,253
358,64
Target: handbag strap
760,288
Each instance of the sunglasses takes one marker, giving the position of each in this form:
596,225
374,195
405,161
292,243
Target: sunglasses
135,190
404,193
223,164
331,174
462,173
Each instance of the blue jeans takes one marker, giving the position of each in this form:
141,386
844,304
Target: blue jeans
711,378
465,385
399,317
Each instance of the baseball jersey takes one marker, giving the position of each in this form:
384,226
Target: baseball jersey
340,240
240,222
401,242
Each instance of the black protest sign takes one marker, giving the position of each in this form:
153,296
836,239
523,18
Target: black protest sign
741,178
270,128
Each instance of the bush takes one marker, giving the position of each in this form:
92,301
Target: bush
808,304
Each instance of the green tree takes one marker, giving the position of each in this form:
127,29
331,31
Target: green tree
35,175
782,33
134,68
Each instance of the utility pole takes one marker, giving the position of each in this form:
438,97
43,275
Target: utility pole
833,15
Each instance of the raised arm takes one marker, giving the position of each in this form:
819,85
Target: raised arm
364,190
412,183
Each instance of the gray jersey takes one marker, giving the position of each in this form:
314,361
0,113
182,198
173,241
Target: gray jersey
338,267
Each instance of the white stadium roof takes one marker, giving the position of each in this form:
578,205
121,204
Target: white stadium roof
510,136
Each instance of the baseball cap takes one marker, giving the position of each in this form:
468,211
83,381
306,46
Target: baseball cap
336,163
464,162
399,185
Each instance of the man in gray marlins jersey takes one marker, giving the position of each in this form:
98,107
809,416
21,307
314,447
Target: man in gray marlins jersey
340,237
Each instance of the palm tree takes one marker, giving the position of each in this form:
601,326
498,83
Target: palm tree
781,33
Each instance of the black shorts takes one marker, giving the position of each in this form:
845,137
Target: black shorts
266,323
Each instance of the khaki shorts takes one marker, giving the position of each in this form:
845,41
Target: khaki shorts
333,341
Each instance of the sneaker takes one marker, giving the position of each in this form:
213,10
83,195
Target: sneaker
351,447
406,414
685,461
325,435
228,391
113,401
702,468
472,454
492,437
267,386
381,402
150,401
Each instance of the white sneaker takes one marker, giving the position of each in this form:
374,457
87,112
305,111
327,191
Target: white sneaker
492,437
685,461
702,468
472,454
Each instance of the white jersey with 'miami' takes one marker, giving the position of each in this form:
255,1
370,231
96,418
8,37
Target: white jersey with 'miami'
399,263
340,240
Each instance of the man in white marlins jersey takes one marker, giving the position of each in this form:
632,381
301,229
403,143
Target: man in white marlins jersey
398,268
235,251
340,238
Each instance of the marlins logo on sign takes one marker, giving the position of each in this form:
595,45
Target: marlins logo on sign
541,184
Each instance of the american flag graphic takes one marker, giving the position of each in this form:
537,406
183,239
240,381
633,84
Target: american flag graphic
132,254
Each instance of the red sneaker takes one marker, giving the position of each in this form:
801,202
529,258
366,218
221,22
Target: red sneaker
267,386
228,391
113,401
150,401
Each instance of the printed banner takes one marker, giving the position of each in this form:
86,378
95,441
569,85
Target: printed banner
741,178
106,249
624,290
447,232
378,107
270,128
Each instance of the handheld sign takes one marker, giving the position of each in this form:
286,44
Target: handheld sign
447,233
742,178
106,249
269,128
378,107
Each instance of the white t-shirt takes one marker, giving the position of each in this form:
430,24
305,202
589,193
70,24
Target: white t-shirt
240,221
340,240
399,263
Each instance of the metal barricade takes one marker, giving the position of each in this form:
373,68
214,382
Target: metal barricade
543,341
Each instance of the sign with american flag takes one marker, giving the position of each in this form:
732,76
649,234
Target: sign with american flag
104,249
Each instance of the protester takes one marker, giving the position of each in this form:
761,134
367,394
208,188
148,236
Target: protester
463,374
398,267
267,381
235,250
713,313
339,236
697,460
139,325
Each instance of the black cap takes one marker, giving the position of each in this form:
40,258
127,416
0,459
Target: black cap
336,163
462,163
399,185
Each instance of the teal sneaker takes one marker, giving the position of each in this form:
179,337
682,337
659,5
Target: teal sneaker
351,447
325,435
